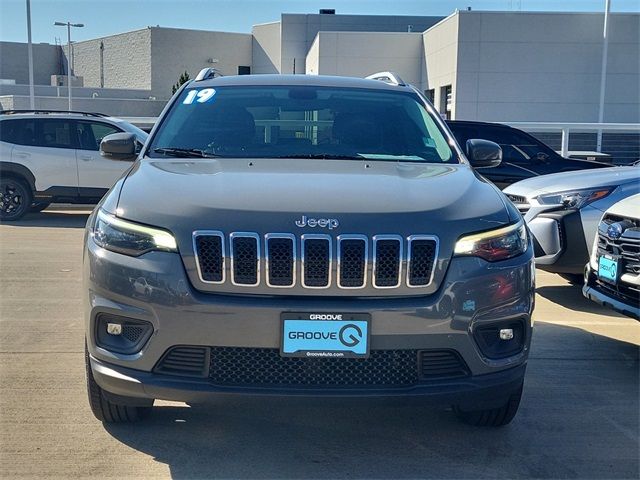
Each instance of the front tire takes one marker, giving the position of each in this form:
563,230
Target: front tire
105,410
15,199
493,417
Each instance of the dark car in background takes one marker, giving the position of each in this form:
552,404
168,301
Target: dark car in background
523,156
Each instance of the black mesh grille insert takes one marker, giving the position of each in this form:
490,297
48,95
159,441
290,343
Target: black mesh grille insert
387,268
245,260
423,253
280,261
190,361
316,262
209,250
352,262
264,367
133,332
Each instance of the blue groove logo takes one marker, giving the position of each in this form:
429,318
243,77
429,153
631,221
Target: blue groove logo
354,337
614,231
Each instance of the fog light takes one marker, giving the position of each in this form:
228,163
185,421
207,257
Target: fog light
121,334
506,333
116,329
500,339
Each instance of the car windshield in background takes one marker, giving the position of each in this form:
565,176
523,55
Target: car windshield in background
300,122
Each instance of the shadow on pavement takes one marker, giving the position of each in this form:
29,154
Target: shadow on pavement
52,219
578,419
570,297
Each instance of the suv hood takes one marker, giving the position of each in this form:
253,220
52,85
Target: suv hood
559,182
166,192
629,207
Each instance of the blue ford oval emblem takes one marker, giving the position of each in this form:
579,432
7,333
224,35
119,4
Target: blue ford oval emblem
614,231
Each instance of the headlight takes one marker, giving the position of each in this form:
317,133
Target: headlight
130,238
495,245
574,198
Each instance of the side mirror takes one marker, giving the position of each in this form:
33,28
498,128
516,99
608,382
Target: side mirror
119,146
483,153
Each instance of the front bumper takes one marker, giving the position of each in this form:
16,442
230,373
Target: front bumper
474,294
608,297
123,385
559,240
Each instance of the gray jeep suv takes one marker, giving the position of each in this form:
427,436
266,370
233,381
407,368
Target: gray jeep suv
306,235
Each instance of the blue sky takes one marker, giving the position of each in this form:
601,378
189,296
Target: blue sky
105,17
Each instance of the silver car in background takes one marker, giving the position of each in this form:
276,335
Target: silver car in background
563,211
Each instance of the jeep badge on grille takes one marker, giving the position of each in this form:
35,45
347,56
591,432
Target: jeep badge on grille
329,223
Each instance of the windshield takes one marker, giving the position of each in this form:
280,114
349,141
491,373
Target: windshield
300,122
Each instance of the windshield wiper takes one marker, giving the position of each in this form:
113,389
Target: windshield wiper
184,152
324,156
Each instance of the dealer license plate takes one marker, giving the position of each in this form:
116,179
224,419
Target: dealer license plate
325,335
608,268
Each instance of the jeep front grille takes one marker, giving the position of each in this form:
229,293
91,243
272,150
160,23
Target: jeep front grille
345,262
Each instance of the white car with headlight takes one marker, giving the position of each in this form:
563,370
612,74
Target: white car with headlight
562,211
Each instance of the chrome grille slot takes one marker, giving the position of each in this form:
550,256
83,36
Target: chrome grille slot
280,255
316,261
209,251
245,259
387,261
353,252
421,255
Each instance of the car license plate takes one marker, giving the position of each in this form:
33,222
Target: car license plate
608,268
325,335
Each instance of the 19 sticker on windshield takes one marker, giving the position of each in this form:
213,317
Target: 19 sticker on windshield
196,96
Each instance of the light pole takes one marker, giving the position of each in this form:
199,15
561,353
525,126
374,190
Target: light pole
32,100
69,25
603,71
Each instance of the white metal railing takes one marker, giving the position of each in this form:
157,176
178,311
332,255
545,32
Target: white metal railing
566,128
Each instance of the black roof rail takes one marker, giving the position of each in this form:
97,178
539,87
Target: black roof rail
75,112
391,78
207,73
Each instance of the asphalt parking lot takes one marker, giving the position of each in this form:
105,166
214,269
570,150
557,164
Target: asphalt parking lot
579,417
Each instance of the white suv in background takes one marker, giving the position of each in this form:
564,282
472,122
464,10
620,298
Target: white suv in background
51,156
